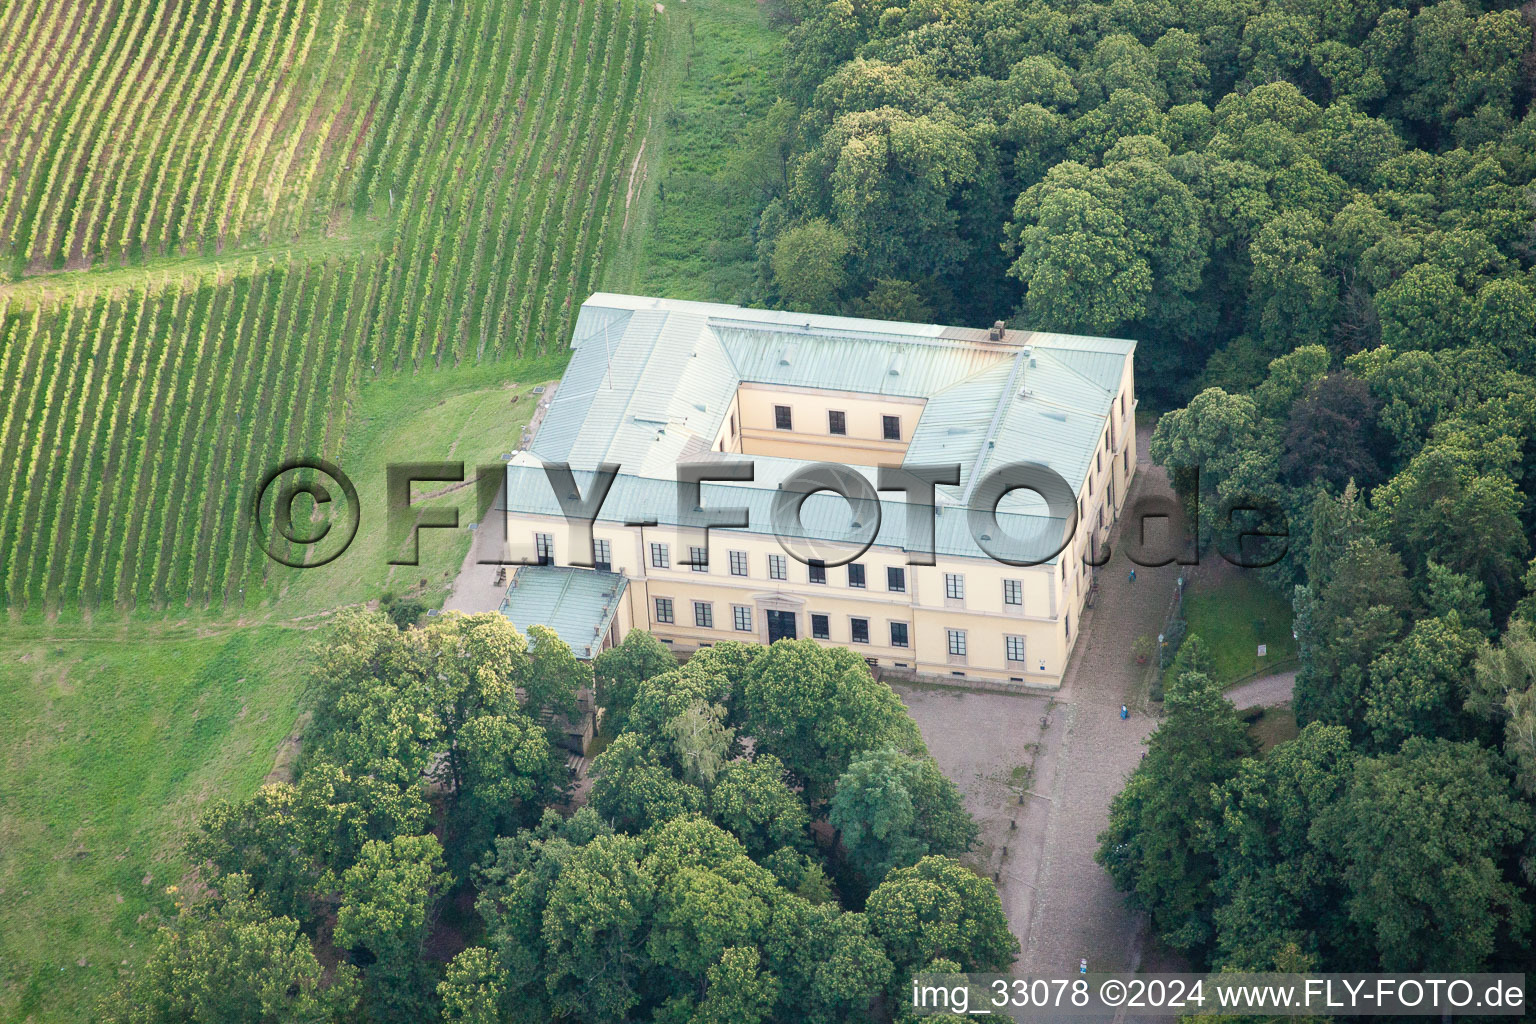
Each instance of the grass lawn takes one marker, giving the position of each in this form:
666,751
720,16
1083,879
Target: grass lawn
1233,616
114,737
711,155
1272,727
351,234
472,414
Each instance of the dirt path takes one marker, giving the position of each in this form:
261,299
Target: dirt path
634,169
994,746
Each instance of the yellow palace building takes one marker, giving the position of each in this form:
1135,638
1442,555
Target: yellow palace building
657,384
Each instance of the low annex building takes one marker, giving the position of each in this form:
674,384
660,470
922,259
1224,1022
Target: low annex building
655,383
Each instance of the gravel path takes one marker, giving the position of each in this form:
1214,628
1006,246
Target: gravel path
1264,692
1069,909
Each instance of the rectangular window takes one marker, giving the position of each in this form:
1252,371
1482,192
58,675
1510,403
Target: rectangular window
1015,647
821,627
896,579
738,563
898,634
699,559
1013,592
544,547
704,614
781,418
661,558
602,552
859,628
1098,460
663,609
891,427
1069,625
733,424
837,423
778,567
743,616
954,586
957,643
818,570
856,575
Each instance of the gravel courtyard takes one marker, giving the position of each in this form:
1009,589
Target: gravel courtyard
992,745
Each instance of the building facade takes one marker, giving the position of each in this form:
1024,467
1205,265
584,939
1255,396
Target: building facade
655,384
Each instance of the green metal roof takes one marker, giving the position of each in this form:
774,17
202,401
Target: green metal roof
578,604
641,389
651,380
873,364
823,516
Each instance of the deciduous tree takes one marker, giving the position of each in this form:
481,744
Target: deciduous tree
940,909
816,708
1159,846
232,962
892,810
634,789
753,802
1423,834
620,670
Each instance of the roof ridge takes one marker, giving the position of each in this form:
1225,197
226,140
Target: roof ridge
634,388
987,438
993,368
1074,371
845,333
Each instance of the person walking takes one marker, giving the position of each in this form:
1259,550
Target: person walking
1133,576
1125,712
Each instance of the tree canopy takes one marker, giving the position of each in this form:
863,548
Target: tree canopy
688,886
1231,180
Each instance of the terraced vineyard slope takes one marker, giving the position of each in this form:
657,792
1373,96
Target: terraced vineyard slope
305,193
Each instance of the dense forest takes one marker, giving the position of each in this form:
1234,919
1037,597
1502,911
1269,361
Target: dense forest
1223,180
766,840
1318,221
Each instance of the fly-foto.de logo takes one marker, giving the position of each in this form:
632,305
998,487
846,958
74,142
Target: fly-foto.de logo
306,512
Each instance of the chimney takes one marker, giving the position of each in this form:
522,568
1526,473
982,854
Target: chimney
997,331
